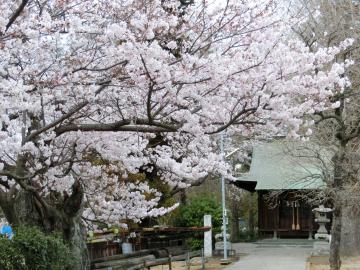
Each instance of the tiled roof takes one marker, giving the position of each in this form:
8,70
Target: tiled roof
287,165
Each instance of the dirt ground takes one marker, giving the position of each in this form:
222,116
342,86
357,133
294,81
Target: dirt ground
322,263
195,264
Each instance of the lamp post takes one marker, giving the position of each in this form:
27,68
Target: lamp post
224,214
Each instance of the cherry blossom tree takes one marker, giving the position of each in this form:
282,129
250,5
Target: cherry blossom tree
338,128
99,98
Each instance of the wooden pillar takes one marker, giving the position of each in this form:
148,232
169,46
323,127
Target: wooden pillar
276,221
310,224
260,221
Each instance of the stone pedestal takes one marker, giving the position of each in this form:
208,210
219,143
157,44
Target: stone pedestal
220,245
219,248
321,248
225,261
207,237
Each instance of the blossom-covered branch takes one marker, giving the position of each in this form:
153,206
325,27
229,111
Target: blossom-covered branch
100,94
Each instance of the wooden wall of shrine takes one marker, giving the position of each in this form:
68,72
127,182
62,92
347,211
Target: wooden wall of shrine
287,216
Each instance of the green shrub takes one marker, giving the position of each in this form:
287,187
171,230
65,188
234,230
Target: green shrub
31,249
10,257
193,213
195,243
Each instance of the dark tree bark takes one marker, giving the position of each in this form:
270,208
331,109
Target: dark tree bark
183,197
58,213
350,234
335,261
339,158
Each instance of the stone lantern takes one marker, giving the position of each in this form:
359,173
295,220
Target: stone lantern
322,219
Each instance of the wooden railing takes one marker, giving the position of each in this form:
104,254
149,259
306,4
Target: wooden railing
143,260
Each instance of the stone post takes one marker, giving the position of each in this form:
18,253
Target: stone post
207,237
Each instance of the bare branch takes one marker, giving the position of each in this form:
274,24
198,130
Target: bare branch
151,89
115,127
16,14
65,116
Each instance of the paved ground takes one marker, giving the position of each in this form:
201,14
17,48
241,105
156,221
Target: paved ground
271,256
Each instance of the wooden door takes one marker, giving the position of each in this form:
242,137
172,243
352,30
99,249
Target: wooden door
285,215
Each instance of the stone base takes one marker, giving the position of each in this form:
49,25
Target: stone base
220,245
219,248
225,262
322,236
220,252
321,248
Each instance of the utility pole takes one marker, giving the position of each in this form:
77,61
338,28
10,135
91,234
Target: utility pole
223,203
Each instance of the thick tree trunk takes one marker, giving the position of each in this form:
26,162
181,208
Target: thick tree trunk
183,197
339,174
21,208
350,233
335,262
78,246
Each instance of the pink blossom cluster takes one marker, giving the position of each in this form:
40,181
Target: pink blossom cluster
147,85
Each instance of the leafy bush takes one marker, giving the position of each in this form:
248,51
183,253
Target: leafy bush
195,243
10,257
31,249
193,213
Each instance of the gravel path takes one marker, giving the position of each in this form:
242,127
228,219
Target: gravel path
270,258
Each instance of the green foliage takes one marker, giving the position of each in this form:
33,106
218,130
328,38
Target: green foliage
193,213
195,243
10,257
31,249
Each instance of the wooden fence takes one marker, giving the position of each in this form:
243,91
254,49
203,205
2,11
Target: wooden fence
144,259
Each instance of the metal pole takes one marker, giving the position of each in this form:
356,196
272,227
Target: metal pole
170,264
188,260
224,215
202,259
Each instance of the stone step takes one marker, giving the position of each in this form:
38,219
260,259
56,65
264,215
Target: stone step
285,243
